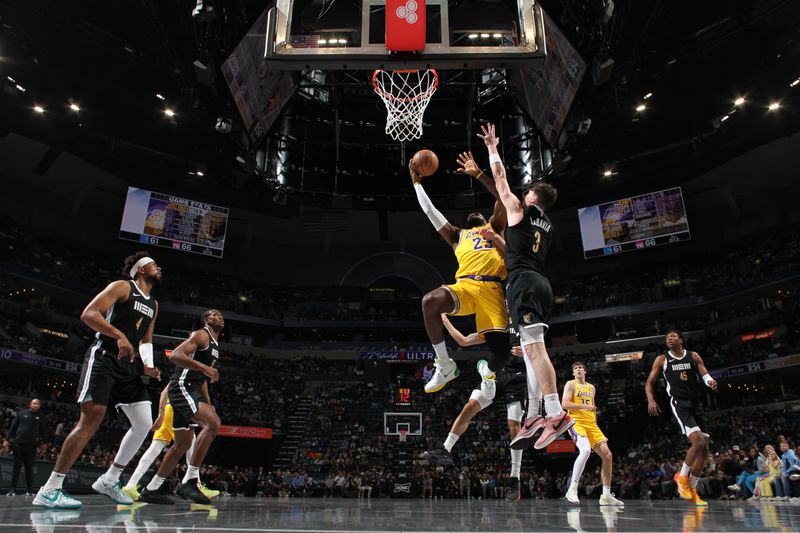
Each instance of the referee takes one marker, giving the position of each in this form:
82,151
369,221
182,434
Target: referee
25,429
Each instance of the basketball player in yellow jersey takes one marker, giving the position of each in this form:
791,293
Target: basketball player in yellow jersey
578,399
477,290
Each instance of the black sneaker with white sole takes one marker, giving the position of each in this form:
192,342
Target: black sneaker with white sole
155,496
514,493
439,456
190,491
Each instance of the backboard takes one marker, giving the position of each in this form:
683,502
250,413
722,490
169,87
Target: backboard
393,423
350,35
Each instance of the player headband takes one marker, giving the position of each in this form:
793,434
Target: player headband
144,261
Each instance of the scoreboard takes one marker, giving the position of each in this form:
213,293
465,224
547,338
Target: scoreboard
634,223
170,221
403,397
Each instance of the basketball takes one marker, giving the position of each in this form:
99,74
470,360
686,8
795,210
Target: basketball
425,162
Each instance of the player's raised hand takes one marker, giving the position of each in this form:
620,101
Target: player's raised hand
467,164
124,349
415,177
488,135
488,234
653,409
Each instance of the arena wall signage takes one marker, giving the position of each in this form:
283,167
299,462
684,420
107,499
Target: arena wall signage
757,366
39,360
80,476
245,432
397,357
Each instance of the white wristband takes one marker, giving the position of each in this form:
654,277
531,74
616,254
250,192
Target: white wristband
707,378
146,354
495,158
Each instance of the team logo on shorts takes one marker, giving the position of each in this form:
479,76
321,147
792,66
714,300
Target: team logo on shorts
528,318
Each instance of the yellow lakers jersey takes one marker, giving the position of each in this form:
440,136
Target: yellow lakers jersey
583,395
478,257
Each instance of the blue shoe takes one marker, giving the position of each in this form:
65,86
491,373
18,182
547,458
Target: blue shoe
55,499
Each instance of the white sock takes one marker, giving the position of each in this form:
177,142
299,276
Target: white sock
516,463
148,458
693,481
441,353
606,490
112,474
534,407
685,469
155,483
552,405
55,481
450,441
192,472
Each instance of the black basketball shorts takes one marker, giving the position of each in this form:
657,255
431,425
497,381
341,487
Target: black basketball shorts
530,298
689,414
184,397
107,380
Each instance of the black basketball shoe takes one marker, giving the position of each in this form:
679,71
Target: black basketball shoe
439,456
514,493
190,491
156,497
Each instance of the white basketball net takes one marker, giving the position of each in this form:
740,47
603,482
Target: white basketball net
406,94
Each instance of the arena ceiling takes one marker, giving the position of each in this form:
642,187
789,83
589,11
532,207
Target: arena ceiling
112,59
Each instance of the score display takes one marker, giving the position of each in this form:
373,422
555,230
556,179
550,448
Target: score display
403,398
634,223
173,222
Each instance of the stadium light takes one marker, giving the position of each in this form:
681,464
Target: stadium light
739,101
20,88
473,36
160,96
169,112
640,108
647,96
12,80
323,41
794,83
497,35
75,107
724,118
607,173
484,35
774,106
39,109
342,41
201,173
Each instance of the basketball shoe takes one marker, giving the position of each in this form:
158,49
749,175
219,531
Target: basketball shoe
445,372
572,495
514,493
610,499
208,493
553,427
684,491
439,456
696,499
528,433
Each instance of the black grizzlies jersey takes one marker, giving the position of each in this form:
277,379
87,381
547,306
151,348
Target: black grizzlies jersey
527,242
131,317
681,375
209,356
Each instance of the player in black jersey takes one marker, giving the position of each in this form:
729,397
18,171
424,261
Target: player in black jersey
510,385
197,360
529,294
123,315
683,370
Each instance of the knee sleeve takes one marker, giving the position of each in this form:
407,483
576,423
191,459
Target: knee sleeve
531,335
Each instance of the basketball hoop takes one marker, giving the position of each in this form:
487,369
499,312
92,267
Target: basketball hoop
403,433
406,94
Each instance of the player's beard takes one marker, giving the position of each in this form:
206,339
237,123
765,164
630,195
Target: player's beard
474,221
154,280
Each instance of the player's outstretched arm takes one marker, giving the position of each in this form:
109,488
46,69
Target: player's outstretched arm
181,359
448,232
495,238
701,367
511,203
469,340
467,165
652,406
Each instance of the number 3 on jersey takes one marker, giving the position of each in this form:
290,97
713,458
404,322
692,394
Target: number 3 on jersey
538,243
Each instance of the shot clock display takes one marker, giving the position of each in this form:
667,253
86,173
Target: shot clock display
403,397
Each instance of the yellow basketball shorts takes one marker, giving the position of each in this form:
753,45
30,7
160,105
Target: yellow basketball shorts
588,431
165,432
484,299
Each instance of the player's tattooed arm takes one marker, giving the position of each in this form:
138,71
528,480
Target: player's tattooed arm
467,165
652,405
94,315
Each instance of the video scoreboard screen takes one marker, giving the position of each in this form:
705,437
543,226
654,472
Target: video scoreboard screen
173,222
634,223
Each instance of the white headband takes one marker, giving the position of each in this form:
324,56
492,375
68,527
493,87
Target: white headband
144,261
